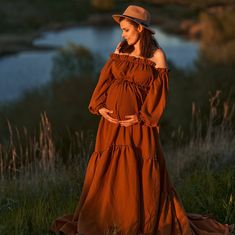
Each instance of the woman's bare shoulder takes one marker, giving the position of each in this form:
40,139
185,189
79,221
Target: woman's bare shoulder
159,58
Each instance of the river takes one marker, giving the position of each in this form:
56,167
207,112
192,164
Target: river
28,70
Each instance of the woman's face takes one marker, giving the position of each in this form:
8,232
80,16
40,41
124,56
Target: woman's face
129,32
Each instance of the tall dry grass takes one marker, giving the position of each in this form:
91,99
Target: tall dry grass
33,155
203,170
212,136
39,180
26,154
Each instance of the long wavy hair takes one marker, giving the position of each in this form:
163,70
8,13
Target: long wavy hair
148,44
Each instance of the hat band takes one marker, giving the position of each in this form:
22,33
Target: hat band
139,20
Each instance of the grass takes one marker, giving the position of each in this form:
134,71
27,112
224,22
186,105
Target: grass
39,182
29,205
36,185
203,170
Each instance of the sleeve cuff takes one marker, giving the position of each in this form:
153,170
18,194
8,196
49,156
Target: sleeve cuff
143,120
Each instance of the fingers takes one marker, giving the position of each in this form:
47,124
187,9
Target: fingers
131,119
127,123
110,119
109,111
124,122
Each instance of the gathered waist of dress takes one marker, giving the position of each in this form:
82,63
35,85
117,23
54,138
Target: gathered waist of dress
131,83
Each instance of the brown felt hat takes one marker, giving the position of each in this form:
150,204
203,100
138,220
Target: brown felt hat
137,14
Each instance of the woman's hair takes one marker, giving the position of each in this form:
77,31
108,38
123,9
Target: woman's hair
148,44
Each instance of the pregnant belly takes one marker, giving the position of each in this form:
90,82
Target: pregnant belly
124,99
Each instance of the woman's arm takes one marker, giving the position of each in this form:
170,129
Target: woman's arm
98,97
155,101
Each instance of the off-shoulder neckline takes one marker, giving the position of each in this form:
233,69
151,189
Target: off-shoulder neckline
137,59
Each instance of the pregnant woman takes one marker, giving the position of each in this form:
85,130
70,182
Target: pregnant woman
127,189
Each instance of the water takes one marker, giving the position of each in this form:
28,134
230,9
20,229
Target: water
27,70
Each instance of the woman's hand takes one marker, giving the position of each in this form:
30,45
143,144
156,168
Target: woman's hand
104,112
132,120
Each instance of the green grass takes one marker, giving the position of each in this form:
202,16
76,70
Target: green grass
28,206
210,192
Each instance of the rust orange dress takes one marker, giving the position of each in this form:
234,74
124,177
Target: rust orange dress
127,186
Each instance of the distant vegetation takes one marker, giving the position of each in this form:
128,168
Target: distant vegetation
198,3
25,16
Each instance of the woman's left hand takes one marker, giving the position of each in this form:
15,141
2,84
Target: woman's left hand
132,120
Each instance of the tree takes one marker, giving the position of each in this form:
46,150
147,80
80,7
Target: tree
103,4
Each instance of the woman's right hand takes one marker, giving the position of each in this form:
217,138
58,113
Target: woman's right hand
104,112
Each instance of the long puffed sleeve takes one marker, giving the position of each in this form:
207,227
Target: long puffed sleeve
99,94
155,101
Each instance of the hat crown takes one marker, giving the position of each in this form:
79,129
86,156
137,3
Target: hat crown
138,13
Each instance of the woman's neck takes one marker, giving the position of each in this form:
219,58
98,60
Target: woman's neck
136,51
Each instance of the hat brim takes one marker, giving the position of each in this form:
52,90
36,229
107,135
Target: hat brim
117,19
